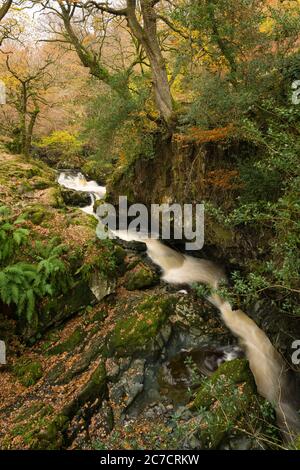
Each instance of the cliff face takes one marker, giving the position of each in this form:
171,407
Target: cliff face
192,168
186,168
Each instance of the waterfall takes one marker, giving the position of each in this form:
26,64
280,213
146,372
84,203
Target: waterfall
77,182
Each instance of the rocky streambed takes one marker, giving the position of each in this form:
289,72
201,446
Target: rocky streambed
137,363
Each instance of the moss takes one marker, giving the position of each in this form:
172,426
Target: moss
137,329
40,430
28,372
296,444
69,344
224,399
75,198
109,260
40,182
37,214
97,170
54,198
93,389
99,316
29,412
55,310
141,277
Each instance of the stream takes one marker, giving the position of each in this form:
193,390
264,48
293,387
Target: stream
173,374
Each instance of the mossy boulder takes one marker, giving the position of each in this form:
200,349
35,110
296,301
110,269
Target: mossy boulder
28,372
140,324
224,399
141,277
40,182
52,197
75,198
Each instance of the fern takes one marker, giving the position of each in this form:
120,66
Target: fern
11,235
22,284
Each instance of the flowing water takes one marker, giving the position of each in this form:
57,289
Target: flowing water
272,377
77,182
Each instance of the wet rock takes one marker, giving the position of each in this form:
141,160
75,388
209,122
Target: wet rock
75,198
95,388
141,277
112,368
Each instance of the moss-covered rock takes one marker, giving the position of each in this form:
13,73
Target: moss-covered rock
94,388
140,326
37,214
97,170
74,340
223,399
75,198
28,372
37,428
53,198
141,277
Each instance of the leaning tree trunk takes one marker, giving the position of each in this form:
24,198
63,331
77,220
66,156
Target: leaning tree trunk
4,9
33,117
23,113
148,37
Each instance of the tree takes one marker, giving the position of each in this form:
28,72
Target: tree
141,18
28,80
5,27
4,8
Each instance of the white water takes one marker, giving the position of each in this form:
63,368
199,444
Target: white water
78,182
267,365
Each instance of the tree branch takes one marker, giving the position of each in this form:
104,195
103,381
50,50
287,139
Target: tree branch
104,7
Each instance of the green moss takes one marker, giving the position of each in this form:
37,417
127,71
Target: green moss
224,399
40,430
29,412
40,182
70,344
37,214
28,372
109,260
94,388
136,329
141,277
54,198
99,316
97,170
